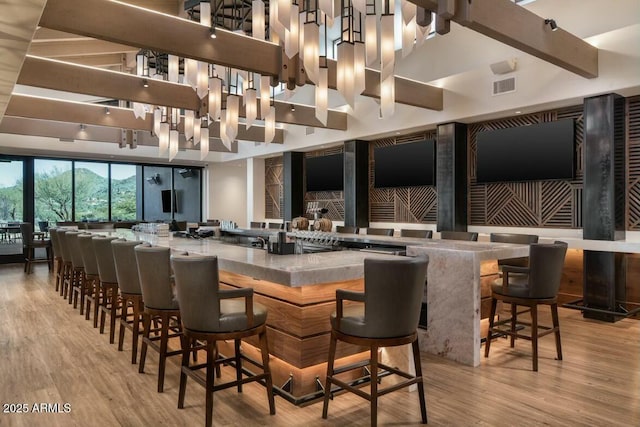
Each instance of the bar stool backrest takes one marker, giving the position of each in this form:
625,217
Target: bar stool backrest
104,258
154,270
459,235
88,254
380,231
546,262
64,246
55,243
523,239
347,230
126,265
424,234
74,248
26,229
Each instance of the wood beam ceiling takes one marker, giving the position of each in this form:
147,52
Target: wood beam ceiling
70,132
95,114
120,23
63,76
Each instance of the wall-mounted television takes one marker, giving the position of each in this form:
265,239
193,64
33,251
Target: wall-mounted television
405,165
325,173
166,201
536,152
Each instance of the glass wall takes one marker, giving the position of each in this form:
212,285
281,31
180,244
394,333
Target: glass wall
11,191
53,196
123,192
91,187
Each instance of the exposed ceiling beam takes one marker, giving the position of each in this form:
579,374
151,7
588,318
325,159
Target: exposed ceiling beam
72,131
57,75
76,47
110,60
95,114
516,26
120,23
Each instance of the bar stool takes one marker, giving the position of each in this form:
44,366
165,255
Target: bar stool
71,277
130,292
515,278
347,230
30,244
160,305
424,234
459,235
255,224
211,314
66,262
108,283
91,276
78,288
392,298
546,262
57,257
380,231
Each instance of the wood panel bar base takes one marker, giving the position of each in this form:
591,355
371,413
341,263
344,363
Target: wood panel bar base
169,327
189,343
374,344
298,331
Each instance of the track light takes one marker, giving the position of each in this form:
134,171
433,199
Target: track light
145,83
551,23
107,111
293,108
212,32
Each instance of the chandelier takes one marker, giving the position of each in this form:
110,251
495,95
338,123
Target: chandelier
366,37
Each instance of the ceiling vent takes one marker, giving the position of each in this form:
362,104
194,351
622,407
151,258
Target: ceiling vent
504,86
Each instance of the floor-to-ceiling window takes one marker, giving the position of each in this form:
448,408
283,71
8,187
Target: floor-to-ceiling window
11,206
53,194
123,192
91,190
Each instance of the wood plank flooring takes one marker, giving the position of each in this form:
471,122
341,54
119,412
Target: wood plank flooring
50,354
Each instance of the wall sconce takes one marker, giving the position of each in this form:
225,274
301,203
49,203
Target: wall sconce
154,179
551,23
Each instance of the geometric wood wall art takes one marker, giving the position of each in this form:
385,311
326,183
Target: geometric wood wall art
405,204
633,162
273,187
551,203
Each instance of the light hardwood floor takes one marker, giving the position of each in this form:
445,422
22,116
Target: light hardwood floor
50,354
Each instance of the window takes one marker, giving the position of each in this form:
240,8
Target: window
123,192
53,196
11,191
91,191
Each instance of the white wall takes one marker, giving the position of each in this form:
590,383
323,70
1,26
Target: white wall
228,192
255,189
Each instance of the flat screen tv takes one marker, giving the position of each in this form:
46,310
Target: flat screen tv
537,152
166,201
405,165
325,173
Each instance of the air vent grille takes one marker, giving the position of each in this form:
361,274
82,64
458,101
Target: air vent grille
504,86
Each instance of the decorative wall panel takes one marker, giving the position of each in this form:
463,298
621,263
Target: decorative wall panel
407,204
273,200
556,203
633,163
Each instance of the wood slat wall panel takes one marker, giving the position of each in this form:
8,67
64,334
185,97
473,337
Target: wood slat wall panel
527,204
633,164
409,204
273,187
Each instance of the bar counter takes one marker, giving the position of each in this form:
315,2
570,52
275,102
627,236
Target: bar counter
299,292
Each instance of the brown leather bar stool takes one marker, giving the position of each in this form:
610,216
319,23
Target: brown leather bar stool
91,276
79,283
392,298
522,239
546,262
160,305
424,234
66,262
210,314
347,229
380,231
32,241
459,235
108,284
130,292
57,256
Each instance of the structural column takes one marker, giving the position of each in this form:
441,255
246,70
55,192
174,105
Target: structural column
293,197
356,183
603,204
451,176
